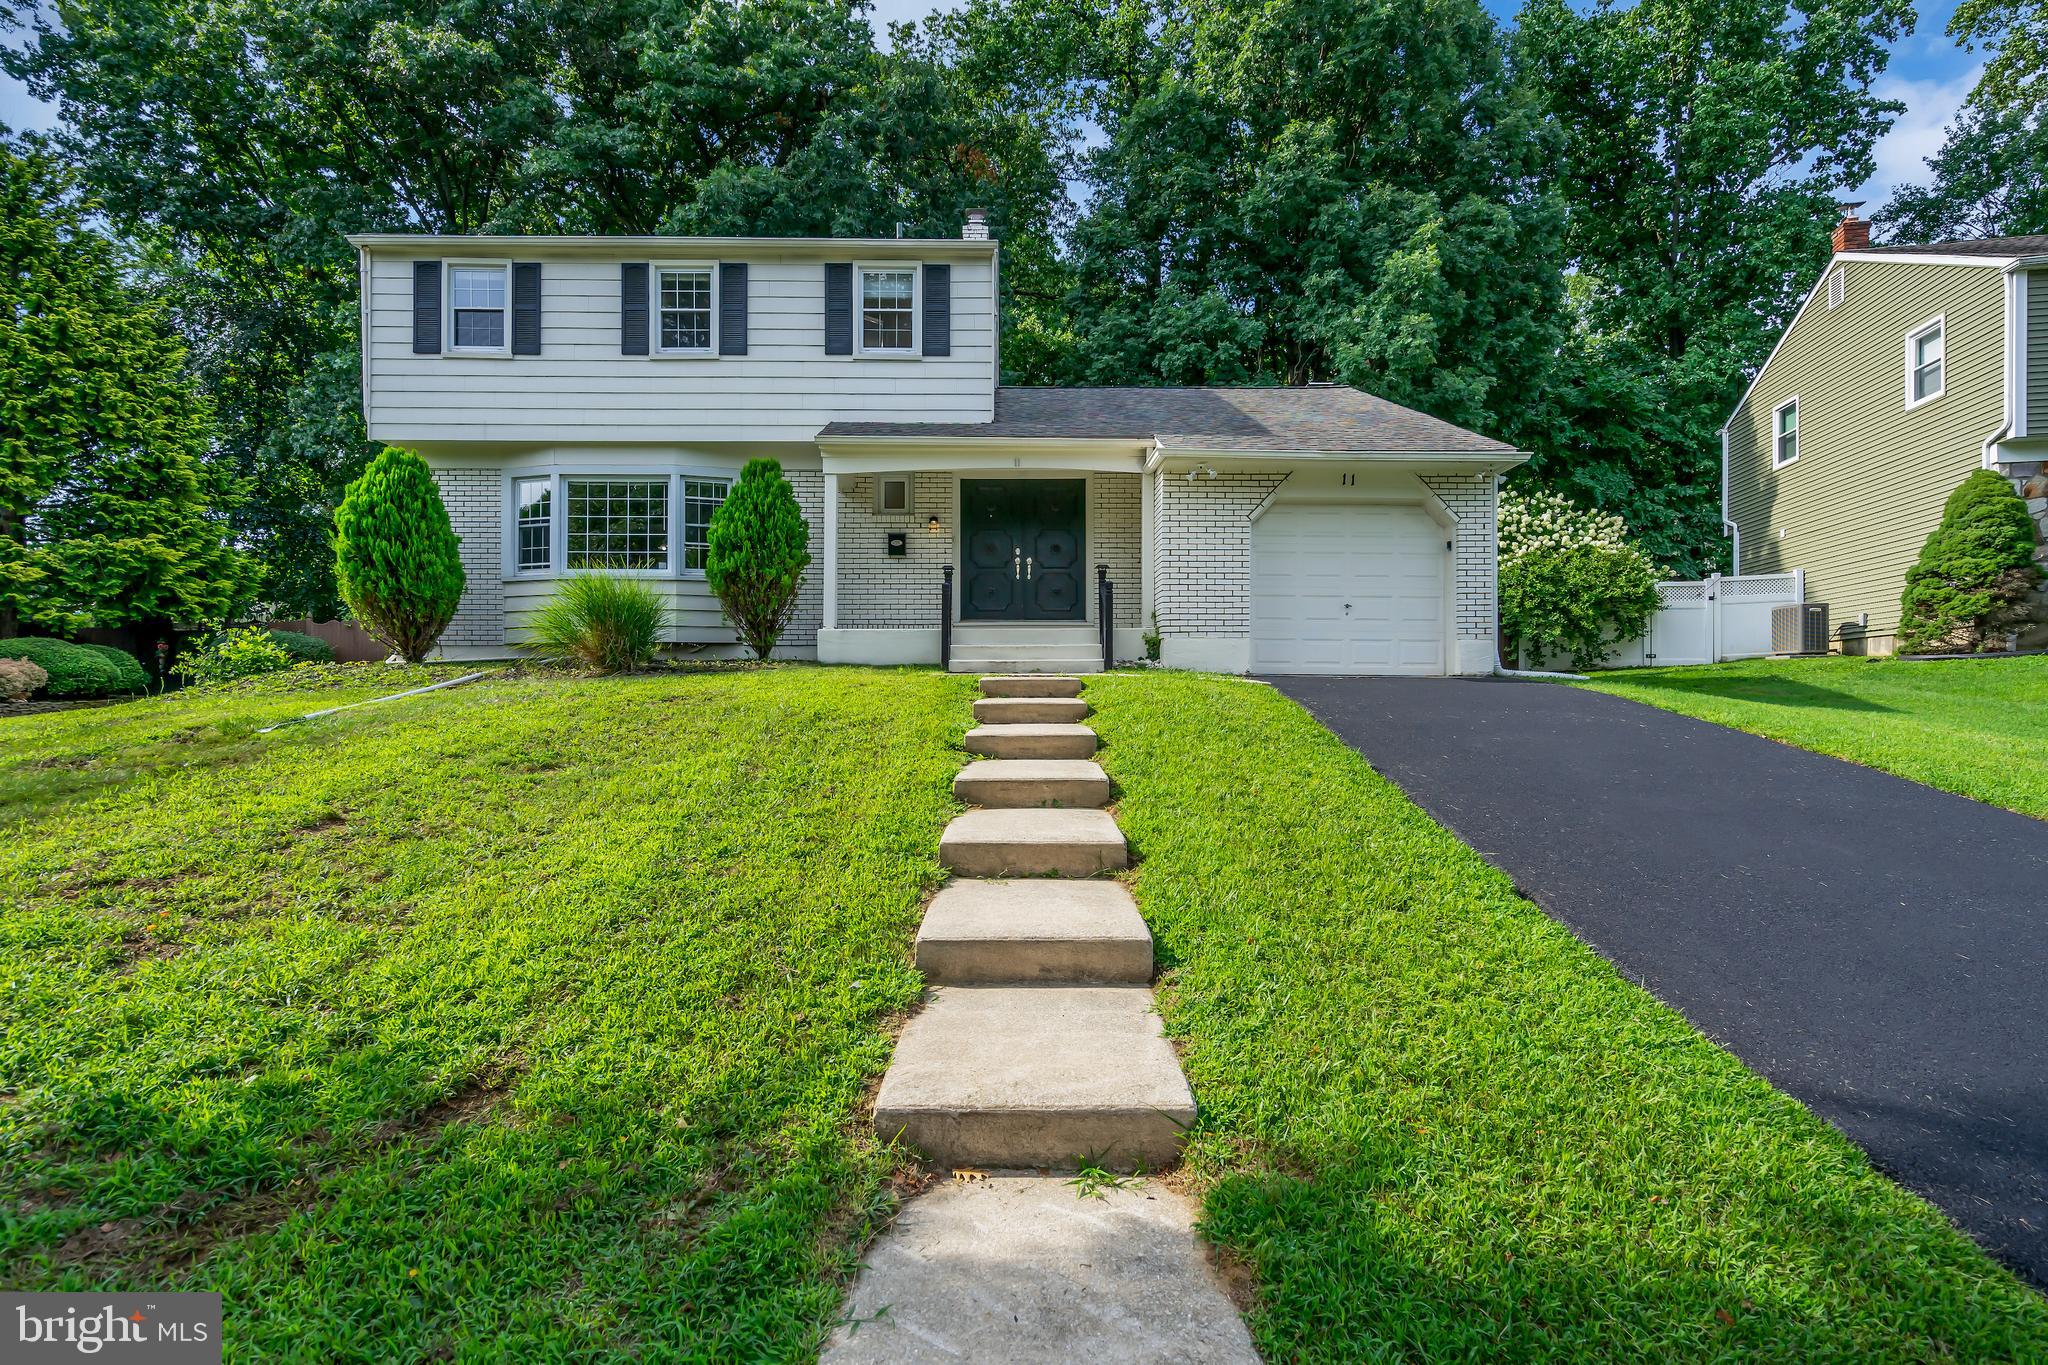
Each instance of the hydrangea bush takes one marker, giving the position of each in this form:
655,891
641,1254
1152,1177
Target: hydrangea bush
1571,582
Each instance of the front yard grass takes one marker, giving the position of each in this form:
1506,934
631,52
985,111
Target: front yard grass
527,1020
1976,727
1435,1126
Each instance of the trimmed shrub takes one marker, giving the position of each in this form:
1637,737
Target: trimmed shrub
1975,571
234,654
304,649
602,621
758,548
79,670
1570,581
19,679
396,557
129,675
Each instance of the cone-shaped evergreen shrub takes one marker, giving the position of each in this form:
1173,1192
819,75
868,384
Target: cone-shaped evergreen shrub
396,557
758,550
1975,571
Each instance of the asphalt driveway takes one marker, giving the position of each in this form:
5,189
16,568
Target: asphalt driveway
1877,948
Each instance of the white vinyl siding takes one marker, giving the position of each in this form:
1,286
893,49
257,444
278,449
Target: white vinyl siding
581,390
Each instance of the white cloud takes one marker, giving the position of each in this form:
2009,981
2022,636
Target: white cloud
1902,153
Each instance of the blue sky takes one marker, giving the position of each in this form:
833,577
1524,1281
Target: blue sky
1928,74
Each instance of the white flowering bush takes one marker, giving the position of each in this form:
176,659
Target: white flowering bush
1571,582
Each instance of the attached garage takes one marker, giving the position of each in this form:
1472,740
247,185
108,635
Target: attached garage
1348,589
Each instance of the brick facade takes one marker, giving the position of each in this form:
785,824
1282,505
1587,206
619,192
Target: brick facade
1471,501
475,501
802,632
1116,535
1202,566
876,591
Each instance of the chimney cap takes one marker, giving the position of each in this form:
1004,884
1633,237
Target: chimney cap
1849,206
975,229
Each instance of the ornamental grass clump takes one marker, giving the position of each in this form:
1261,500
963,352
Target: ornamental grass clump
1571,583
1975,573
603,622
396,557
758,548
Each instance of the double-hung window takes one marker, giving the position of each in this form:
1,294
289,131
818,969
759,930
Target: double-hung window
888,309
533,525
1785,439
686,309
1924,363
701,498
614,524
478,307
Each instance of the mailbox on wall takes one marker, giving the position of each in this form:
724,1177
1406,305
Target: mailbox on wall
898,544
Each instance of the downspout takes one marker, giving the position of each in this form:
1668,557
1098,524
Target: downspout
1728,526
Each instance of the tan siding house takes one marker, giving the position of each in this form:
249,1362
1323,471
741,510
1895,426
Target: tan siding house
1905,370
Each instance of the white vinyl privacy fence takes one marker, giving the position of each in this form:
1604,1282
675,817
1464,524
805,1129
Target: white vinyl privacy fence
1708,620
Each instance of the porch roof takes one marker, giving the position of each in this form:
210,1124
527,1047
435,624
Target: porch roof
1316,419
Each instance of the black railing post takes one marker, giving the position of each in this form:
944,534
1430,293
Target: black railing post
1105,615
946,622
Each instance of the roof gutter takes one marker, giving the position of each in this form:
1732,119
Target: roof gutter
1496,462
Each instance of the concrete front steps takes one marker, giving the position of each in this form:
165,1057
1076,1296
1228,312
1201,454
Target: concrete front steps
1056,649
1038,1046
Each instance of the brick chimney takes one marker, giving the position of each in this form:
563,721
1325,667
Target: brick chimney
975,229
1852,233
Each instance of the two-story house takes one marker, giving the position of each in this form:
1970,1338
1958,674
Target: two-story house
1906,368
586,402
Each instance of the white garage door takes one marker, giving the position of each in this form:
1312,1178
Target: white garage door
1348,590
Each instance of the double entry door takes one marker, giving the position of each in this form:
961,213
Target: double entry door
1022,543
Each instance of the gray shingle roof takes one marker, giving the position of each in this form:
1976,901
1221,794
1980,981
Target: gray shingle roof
2036,245
1316,418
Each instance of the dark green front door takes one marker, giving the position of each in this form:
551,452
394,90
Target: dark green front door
1021,540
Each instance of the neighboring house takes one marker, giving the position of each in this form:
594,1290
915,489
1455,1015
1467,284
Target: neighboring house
586,402
1907,368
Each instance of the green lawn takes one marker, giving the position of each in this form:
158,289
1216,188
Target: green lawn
1975,727
536,1020
534,1017
1436,1126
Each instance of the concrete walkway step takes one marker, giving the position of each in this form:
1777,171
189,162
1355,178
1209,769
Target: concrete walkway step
1033,843
1037,1076
1030,710
1031,741
1076,783
1030,685
1025,1268
1013,932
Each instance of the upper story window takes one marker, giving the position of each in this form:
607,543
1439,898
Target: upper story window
686,312
616,524
1785,437
887,309
478,303
1924,363
533,522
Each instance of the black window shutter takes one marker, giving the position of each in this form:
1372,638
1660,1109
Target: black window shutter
938,310
839,309
526,308
426,308
633,308
732,308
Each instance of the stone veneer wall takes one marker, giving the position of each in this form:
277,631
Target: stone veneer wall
1471,500
475,498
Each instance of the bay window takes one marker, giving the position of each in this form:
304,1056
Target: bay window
615,524
611,523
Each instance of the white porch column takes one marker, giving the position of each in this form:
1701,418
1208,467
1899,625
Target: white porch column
831,552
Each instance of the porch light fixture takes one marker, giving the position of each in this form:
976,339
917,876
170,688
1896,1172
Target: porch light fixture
1204,470
932,525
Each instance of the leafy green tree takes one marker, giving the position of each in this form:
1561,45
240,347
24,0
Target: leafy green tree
1975,573
759,546
107,508
396,556
1990,180
2016,77
1704,144
1309,190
